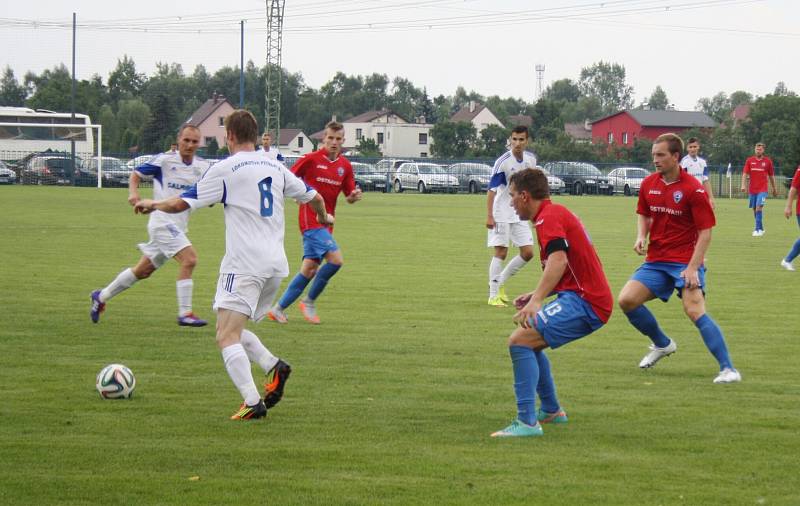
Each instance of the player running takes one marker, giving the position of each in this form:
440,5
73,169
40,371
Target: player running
758,168
786,263
330,173
503,224
252,189
572,270
172,174
675,213
697,167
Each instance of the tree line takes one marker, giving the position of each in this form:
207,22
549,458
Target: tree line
141,113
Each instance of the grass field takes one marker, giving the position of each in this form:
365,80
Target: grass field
394,395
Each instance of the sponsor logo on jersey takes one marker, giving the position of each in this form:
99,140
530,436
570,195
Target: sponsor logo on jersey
178,186
322,166
329,181
677,196
655,192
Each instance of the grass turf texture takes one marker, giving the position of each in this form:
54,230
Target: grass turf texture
394,396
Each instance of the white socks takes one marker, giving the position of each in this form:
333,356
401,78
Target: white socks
122,282
238,367
512,267
257,352
184,289
495,268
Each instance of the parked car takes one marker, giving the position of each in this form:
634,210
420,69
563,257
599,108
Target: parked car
627,180
7,176
389,165
54,168
139,160
424,177
115,172
580,177
368,178
555,183
472,177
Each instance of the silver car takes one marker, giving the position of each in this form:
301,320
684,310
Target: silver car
556,184
424,177
472,177
7,176
627,180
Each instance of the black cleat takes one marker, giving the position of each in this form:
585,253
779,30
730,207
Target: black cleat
276,380
250,412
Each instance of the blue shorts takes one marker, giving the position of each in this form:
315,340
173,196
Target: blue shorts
758,199
566,319
317,242
662,278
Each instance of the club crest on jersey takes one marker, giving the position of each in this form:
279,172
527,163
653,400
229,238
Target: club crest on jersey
340,171
677,196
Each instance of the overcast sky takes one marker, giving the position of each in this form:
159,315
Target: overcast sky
692,48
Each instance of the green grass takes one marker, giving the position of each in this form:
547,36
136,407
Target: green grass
395,394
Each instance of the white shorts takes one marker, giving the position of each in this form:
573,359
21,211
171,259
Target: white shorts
165,242
518,233
249,295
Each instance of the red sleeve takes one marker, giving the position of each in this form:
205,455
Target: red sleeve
301,165
349,181
796,179
770,168
641,206
552,227
702,214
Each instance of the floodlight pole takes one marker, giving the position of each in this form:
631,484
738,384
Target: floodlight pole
72,104
241,69
272,109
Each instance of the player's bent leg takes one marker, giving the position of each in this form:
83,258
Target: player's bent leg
230,325
124,280
184,287
631,300
549,410
710,331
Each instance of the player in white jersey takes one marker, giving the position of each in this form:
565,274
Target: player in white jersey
252,189
172,174
502,221
267,149
697,167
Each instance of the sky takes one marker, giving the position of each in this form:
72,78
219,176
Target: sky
691,48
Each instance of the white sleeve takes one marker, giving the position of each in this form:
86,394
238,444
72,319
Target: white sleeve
295,188
209,190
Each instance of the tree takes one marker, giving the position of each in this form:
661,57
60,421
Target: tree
12,93
783,91
453,139
212,147
718,106
606,82
367,147
658,100
493,140
565,90
124,81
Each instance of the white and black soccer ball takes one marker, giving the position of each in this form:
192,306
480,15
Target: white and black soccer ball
115,381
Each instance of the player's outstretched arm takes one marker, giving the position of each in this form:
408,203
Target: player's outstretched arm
318,205
133,188
171,205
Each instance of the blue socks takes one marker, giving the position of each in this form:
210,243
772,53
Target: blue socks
324,274
294,290
759,220
546,388
526,377
794,251
712,336
646,323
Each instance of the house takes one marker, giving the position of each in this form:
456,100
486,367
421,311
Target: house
395,136
740,113
478,114
624,127
210,119
292,141
520,120
579,132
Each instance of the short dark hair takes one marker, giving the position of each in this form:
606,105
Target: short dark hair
533,181
242,124
674,143
520,129
184,127
692,140
334,125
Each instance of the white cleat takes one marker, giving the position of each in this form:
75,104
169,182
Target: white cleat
787,265
657,354
728,375
756,234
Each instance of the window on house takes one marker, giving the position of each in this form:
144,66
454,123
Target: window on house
359,134
222,121
423,138
610,137
380,137
423,155
625,138
299,142
209,140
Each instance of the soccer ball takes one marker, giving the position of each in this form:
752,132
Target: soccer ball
115,381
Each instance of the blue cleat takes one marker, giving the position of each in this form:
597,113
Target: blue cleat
558,417
97,307
190,320
520,429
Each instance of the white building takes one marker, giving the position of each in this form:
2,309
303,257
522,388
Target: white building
478,114
294,142
394,135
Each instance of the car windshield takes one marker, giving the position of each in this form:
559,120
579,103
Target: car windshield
362,168
61,163
430,168
588,170
477,169
638,173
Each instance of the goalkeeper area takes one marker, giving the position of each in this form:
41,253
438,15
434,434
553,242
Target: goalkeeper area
393,397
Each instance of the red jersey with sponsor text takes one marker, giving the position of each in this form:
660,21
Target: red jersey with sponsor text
796,186
329,178
678,210
584,274
759,169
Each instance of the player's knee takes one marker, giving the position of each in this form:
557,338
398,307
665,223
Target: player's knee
626,303
189,262
526,255
694,313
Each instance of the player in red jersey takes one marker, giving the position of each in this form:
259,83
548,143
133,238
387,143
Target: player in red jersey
786,263
330,173
758,168
675,212
572,271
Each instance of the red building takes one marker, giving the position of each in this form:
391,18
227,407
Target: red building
624,127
